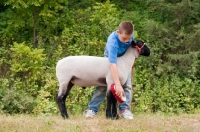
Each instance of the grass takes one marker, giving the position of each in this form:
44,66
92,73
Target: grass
140,123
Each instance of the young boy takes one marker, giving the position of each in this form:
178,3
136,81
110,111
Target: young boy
117,44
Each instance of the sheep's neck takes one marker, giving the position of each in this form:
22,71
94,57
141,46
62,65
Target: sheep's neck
129,57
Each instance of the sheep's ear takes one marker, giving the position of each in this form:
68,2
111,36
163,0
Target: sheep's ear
134,42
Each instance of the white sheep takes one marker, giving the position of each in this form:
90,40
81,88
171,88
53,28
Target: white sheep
85,71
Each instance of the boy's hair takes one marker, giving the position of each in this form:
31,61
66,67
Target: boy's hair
126,27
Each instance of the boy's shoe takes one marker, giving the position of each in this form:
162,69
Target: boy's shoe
127,115
89,114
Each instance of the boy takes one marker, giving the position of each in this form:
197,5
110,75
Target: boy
117,44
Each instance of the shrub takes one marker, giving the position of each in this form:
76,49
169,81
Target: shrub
14,101
44,104
26,66
171,94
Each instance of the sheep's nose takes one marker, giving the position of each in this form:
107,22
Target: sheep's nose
148,53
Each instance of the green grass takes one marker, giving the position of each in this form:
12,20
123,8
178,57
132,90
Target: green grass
141,123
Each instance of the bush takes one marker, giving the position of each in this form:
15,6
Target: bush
44,104
170,94
78,99
14,101
26,66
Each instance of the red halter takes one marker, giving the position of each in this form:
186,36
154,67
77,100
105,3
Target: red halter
139,48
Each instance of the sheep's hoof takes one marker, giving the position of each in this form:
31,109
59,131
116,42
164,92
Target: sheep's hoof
114,117
108,117
108,114
65,116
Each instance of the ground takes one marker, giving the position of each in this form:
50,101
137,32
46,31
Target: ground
140,123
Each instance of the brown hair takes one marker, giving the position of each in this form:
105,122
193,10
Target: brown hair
126,27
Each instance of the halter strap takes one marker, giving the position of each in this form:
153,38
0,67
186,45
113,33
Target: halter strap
139,48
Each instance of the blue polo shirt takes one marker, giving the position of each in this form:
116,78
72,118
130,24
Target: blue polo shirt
115,48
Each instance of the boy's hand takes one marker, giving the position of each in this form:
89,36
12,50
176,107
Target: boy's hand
119,90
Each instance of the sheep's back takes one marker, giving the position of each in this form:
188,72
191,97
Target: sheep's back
83,70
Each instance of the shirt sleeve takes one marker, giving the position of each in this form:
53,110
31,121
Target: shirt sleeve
112,51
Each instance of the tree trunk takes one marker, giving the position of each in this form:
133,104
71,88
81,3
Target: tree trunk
125,4
34,28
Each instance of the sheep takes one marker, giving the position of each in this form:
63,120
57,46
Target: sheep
86,71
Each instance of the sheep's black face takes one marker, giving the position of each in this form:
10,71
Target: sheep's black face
141,47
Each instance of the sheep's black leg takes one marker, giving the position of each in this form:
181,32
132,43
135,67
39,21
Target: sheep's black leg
109,103
114,107
111,110
60,100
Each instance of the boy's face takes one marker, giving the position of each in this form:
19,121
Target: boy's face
123,37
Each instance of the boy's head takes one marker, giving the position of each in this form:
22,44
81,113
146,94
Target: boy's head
125,31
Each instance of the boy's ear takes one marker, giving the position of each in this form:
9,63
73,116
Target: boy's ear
118,32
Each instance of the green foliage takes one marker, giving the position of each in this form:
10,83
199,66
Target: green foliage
176,95
85,37
26,66
78,99
45,100
111,20
3,61
168,94
14,101
35,34
26,61
174,40
44,105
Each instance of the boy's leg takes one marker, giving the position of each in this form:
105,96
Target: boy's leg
97,98
124,107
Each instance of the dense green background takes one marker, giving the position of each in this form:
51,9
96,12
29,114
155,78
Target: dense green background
35,34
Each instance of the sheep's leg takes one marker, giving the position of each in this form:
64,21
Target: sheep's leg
114,107
109,103
61,104
111,110
61,98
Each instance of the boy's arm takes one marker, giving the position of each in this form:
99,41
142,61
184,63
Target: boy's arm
118,86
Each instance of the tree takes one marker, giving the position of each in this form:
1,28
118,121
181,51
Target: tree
174,35
34,15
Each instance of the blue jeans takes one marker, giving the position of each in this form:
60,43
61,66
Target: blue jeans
100,93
